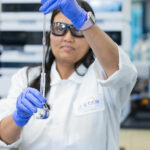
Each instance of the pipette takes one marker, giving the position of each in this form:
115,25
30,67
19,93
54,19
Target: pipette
43,74
43,113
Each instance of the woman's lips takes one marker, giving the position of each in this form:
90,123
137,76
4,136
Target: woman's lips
68,48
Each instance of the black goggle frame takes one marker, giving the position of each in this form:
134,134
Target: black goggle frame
65,28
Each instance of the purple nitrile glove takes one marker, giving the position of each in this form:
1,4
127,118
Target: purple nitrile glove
69,8
27,104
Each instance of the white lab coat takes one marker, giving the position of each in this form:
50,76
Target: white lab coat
85,110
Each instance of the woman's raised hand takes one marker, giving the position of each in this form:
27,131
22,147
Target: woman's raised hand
69,8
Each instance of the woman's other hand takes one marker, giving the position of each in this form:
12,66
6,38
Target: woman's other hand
27,104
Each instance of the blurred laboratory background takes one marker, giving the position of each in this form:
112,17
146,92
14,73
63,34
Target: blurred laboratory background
127,22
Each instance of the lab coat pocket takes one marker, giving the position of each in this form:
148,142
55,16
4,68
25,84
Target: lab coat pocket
88,105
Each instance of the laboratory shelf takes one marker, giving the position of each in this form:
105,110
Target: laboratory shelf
120,16
29,16
143,68
20,1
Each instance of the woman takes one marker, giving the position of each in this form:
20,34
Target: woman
86,95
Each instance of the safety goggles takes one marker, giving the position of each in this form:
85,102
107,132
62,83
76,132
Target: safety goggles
60,29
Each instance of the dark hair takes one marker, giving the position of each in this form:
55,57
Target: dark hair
87,60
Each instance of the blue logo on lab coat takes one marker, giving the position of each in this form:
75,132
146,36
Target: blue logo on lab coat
91,103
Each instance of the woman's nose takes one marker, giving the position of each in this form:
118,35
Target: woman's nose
68,36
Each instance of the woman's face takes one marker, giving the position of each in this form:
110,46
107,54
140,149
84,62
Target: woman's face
67,49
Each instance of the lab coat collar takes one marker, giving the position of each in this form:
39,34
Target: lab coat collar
55,77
